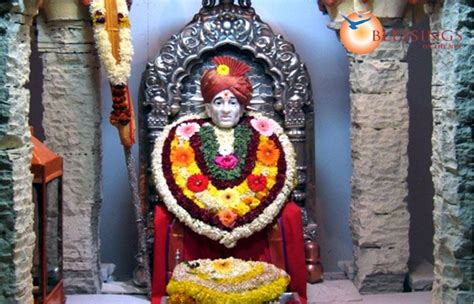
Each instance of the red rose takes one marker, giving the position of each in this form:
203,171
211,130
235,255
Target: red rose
256,182
197,183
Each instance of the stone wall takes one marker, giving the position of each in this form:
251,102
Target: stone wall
71,122
379,219
452,168
17,237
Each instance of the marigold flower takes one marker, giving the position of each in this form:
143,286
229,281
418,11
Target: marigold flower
242,188
180,298
222,265
197,183
227,217
193,169
180,180
182,156
272,171
223,69
260,195
268,153
247,200
271,181
252,202
213,191
250,282
256,182
241,209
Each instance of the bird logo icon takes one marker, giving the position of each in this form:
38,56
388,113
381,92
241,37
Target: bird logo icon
358,30
353,24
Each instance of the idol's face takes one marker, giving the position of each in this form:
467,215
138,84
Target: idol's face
225,110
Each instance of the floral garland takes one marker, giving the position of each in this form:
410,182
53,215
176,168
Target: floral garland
226,281
117,69
117,73
225,166
224,210
121,114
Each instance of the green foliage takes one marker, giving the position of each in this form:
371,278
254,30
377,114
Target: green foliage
210,149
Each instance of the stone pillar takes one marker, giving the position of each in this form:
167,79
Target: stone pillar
17,238
452,167
379,218
71,122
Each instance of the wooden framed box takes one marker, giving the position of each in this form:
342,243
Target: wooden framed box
47,169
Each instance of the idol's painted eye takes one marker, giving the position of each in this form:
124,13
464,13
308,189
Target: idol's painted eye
233,102
217,102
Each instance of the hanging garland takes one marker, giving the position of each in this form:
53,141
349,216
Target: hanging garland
117,64
117,72
113,39
225,167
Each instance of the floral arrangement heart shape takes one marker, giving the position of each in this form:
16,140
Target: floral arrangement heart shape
225,184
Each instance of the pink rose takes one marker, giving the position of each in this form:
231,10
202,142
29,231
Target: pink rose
186,130
226,162
263,125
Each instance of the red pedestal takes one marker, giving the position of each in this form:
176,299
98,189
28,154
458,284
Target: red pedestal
281,245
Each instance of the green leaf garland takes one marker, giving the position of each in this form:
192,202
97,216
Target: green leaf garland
210,148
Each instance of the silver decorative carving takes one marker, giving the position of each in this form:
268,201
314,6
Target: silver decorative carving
208,3
240,29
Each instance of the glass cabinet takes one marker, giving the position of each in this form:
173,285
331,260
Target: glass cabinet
47,169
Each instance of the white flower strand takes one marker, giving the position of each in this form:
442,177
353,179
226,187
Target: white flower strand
227,238
225,139
117,73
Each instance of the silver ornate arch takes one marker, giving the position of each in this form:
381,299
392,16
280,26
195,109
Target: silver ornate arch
167,86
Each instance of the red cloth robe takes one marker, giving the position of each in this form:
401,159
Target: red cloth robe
255,247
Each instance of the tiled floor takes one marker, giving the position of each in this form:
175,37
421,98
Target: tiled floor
343,291
106,299
335,292
398,298
340,291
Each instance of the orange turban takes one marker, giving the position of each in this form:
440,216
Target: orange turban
229,74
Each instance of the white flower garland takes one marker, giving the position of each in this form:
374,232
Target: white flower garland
225,138
227,238
117,73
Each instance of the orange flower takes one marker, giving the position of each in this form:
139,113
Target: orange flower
268,153
227,217
248,200
182,156
223,265
252,202
180,298
260,195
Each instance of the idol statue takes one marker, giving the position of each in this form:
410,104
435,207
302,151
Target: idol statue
225,178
